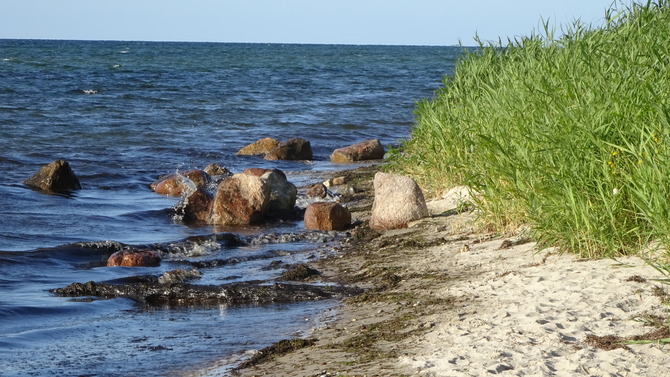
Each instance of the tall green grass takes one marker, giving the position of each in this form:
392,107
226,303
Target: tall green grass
570,135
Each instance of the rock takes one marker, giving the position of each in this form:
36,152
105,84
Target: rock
215,169
365,150
258,172
240,200
134,258
337,181
282,193
319,190
259,147
179,184
179,276
56,176
292,149
327,216
398,200
196,207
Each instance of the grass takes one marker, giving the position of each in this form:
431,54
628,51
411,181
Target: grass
568,134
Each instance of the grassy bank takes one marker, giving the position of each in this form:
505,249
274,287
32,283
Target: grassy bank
570,135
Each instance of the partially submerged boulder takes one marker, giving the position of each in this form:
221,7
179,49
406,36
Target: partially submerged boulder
398,201
196,207
240,200
292,149
365,150
56,176
283,193
134,258
327,216
180,184
259,148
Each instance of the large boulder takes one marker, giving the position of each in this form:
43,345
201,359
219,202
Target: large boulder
134,258
56,176
259,148
398,200
327,216
292,149
240,200
196,207
180,184
365,150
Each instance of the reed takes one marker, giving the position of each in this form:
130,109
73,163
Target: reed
570,135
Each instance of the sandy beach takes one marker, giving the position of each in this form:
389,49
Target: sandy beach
445,300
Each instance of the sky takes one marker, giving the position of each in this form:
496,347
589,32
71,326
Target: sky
388,22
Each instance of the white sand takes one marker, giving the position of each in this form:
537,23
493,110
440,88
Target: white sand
529,313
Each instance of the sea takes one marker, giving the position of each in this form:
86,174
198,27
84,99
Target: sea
125,113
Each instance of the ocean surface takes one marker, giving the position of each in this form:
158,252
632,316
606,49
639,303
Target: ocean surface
156,109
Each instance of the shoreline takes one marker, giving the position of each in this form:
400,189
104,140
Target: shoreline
443,299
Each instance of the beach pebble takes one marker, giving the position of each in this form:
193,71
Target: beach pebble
319,190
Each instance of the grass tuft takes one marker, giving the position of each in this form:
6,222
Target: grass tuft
570,135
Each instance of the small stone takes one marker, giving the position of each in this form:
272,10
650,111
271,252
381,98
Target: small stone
319,190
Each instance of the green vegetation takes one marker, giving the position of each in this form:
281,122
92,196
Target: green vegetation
570,135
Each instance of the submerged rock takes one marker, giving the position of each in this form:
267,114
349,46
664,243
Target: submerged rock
56,176
398,200
292,149
134,258
365,150
259,148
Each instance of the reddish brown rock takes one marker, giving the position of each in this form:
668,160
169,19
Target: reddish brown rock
319,190
181,183
398,200
196,207
258,172
292,149
240,200
327,216
56,176
365,150
259,147
134,258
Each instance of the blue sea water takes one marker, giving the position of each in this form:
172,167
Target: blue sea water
158,108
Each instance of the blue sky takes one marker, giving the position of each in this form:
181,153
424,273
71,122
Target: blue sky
413,22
